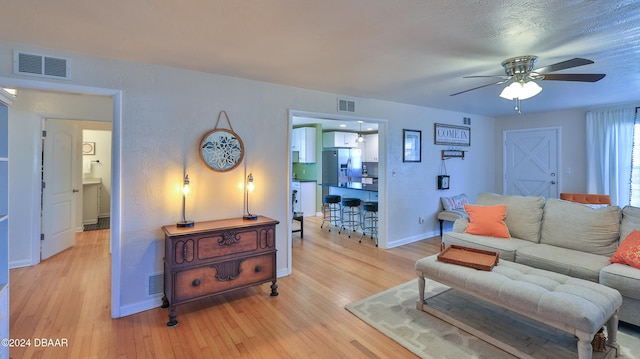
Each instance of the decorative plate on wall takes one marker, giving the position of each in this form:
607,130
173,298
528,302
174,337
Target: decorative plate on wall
221,149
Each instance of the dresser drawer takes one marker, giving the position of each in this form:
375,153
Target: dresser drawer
235,242
223,276
203,248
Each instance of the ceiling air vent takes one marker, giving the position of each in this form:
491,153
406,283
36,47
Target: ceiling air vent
41,66
346,105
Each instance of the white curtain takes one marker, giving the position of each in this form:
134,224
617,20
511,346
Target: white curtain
609,153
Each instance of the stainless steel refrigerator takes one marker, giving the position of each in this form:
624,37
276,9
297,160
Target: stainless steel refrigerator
340,166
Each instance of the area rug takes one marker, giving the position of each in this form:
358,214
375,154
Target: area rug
103,223
393,312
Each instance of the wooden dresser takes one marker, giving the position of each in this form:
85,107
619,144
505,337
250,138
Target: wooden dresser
216,257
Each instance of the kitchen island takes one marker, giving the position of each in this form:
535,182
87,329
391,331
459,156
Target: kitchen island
365,192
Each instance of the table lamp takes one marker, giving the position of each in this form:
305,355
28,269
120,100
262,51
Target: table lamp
249,186
185,191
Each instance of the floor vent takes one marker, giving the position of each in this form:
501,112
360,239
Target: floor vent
346,105
155,283
41,66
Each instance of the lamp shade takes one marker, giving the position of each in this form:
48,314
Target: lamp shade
520,90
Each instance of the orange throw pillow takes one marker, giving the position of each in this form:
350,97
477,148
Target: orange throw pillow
487,220
629,251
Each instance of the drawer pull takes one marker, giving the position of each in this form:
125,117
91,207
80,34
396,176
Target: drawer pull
258,269
229,239
196,282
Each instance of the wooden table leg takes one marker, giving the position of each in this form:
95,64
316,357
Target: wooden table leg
612,333
420,302
172,317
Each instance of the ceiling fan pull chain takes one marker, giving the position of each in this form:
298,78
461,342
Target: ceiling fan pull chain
517,108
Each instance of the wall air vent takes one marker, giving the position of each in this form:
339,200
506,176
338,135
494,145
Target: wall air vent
346,105
155,283
41,66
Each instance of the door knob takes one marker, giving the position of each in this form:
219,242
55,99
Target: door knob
75,190
553,182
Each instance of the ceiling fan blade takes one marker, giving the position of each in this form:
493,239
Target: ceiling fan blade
504,77
479,87
563,65
574,77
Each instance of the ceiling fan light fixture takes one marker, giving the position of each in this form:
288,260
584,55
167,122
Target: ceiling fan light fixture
520,90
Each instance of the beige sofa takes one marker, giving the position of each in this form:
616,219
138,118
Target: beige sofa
564,237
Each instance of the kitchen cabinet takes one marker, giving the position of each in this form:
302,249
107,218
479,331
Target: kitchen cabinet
370,152
339,139
303,140
369,148
91,188
305,197
216,257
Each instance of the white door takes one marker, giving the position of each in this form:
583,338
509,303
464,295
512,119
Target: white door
531,162
60,189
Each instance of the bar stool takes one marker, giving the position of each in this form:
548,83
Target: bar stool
331,210
370,221
350,209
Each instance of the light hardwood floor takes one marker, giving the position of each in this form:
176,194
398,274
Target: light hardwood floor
68,297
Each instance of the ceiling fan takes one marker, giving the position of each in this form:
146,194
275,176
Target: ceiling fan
521,74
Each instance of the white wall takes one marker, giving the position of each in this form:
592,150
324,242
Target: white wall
165,113
412,187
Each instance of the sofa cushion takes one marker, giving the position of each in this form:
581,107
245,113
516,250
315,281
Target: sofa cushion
487,220
506,249
455,202
623,278
629,251
452,215
630,220
561,260
576,226
626,280
524,214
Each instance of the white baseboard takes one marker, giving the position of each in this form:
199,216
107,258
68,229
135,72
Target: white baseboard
419,237
283,272
20,264
135,308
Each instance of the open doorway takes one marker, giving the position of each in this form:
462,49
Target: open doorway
76,175
332,122
96,176
25,180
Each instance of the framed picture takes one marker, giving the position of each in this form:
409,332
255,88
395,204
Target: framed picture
88,148
412,146
452,135
221,150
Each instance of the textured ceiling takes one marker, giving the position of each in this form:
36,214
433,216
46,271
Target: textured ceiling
409,51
